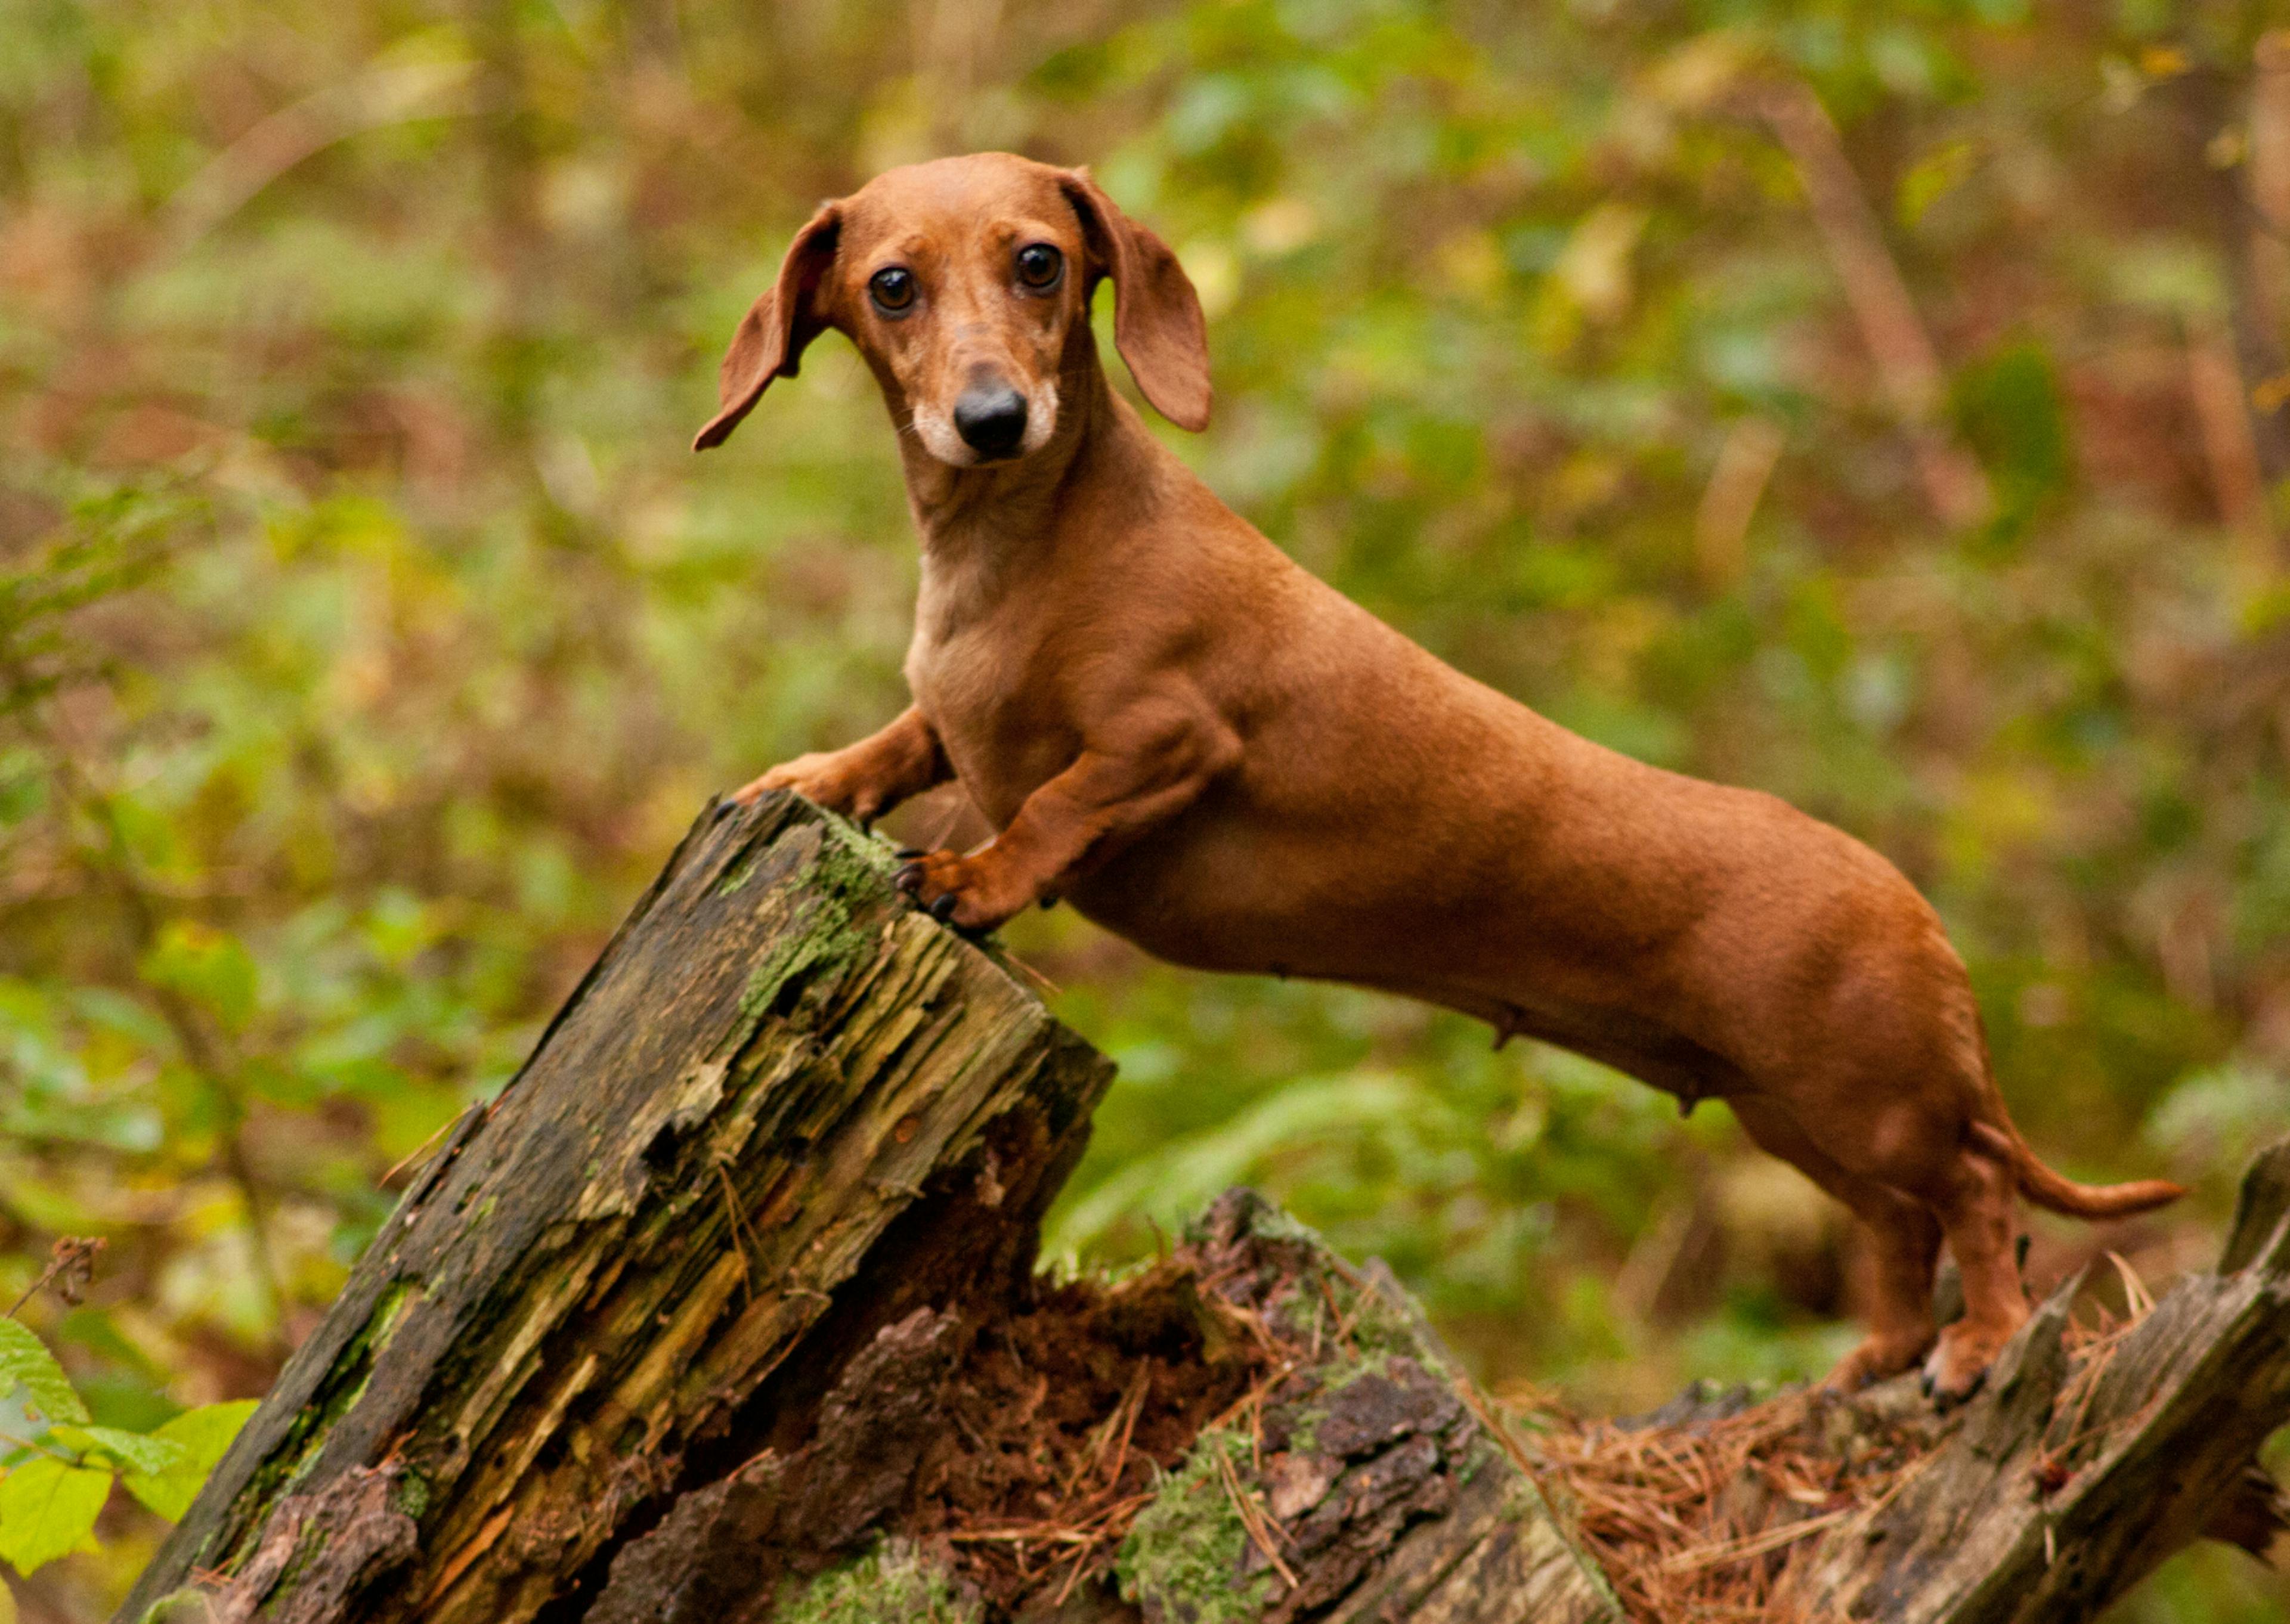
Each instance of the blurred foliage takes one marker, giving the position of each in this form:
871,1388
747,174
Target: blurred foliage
367,635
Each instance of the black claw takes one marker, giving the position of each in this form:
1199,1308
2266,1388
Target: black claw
1049,901
908,879
1924,1380
906,854
942,909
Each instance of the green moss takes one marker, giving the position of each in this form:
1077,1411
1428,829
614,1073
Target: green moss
410,1495
1382,1328
1335,1374
741,872
1476,1460
1260,1217
892,1581
189,1605
876,853
1181,1560
307,1434
846,875
307,1550
1372,1323
1272,1223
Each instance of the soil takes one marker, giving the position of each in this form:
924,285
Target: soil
1064,1414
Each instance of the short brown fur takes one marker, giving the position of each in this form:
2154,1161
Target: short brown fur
1209,751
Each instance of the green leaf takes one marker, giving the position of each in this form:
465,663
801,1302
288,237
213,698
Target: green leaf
2010,406
138,1452
25,1358
111,1011
1932,176
266,1079
210,966
48,1509
203,1434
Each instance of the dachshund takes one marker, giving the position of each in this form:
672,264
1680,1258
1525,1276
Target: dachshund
1212,753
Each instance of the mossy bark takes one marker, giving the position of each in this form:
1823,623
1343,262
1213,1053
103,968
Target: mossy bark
688,1323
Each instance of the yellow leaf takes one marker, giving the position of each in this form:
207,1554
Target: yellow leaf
2162,61
1594,267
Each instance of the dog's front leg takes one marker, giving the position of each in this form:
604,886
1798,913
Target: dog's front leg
1144,773
865,780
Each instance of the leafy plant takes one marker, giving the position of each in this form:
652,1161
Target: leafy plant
57,1466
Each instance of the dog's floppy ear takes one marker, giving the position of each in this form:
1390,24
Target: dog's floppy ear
1156,316
772,336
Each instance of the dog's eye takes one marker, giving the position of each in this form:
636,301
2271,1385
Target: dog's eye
1039,266
893,289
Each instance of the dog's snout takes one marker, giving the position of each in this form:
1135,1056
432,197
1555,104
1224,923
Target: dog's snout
992,419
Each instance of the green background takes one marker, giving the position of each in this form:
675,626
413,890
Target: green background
368,634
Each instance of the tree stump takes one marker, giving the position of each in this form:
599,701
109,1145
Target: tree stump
727,1310
782,1112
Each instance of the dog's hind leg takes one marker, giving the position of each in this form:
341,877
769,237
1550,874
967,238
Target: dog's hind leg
1902,1235
1975,1206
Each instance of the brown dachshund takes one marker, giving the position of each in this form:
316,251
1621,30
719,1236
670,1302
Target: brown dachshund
1209,751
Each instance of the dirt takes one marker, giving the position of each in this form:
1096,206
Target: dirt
1064,1413
1082,1419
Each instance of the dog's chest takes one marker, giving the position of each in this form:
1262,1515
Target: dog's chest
1003,728
958,681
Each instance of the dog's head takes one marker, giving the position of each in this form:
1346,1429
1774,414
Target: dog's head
962,281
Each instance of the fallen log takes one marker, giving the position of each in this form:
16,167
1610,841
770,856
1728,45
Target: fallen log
2088,1459
728,1310
2095,1449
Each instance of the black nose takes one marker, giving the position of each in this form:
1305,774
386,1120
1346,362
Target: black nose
992,419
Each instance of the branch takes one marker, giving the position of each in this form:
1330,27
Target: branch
1908,370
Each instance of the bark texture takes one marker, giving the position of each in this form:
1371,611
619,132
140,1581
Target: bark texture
726,1311
2069,1479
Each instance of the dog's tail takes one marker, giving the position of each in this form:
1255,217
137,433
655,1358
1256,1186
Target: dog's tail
2048,1190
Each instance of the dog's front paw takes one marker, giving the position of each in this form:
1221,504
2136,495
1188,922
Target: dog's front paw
822,777
973,893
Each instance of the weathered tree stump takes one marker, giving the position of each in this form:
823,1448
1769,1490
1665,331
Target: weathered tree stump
781,1113
726,1311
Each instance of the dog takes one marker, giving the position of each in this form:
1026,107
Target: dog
1212,753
